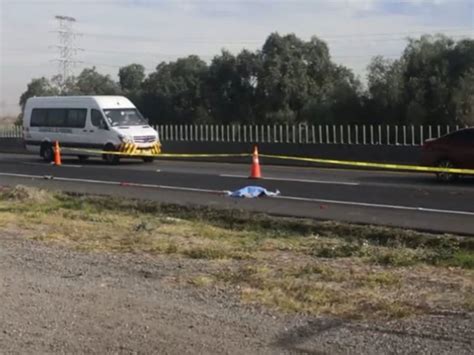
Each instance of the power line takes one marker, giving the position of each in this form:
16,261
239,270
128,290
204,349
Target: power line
160,54
377,36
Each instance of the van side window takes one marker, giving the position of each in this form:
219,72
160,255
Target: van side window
76,118
39,117
96,118
56,117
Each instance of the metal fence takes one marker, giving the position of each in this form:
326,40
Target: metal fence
11,132
305,134
295,134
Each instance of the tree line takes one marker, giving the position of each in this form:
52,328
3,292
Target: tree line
290,80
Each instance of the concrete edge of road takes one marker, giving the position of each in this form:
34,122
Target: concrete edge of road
313,209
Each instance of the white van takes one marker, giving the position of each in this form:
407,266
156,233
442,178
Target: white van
82,124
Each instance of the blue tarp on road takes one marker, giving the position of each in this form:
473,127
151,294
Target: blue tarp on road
252,191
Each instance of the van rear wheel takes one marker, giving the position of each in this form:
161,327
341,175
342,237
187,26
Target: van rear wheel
111,158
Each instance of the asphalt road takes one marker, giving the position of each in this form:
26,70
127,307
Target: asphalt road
409,200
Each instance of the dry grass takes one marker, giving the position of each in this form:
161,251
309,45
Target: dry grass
289,264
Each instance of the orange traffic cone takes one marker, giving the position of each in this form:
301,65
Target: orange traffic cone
57,154
255,171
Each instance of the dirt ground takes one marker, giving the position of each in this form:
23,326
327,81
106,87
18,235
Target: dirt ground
57,300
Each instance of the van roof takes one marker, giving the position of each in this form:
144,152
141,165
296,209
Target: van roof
105,101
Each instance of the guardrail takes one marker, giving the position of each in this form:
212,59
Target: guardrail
299,134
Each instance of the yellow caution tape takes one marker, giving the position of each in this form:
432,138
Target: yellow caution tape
131,152
375,165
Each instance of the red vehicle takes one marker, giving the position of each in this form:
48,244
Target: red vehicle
454,150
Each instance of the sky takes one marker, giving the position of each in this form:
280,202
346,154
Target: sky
115,33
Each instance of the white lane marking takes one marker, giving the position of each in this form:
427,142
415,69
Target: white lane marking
375,205
293,198
45,164
116,183
296,180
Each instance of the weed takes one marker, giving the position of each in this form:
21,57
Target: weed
336,250
463,259
395,257
206,253
469,302
202,281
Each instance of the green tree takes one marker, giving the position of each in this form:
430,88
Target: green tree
298,82
283,80
231,87
385,91
131,77
429,84
90,82
174,92
338,99
38,87
463,97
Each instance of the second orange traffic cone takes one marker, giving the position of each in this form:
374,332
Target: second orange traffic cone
57,154
255,171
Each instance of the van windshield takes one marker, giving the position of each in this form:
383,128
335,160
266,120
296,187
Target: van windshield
124,117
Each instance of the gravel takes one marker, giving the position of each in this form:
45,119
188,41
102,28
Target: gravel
56,300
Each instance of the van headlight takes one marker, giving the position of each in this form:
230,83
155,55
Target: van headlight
125,139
